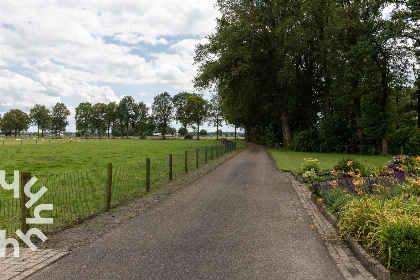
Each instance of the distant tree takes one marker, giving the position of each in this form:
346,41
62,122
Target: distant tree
111,117
182,116
15,120
219,132
182,131
40,116
215,113
141,114
203,132
171,130
99,118
126,112
162,110
83,117
59,118
151,125
197,110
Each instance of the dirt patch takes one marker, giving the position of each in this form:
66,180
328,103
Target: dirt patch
89,230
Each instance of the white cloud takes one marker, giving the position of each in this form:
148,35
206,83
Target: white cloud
55,51
20,92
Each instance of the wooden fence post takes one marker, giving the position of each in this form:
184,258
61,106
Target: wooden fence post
217,151
170,167
24,212
147,174
186,162
109,187
205,158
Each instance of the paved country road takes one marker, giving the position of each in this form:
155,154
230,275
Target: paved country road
243,220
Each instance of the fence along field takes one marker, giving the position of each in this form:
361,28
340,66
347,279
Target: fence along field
77,195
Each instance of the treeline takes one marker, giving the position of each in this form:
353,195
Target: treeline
329,76
118,119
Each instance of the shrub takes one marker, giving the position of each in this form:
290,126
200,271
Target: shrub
413,144
310,164
305,141
401,242
188,136
310,177
336,131
346,165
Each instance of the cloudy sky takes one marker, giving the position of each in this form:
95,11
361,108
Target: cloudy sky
74,51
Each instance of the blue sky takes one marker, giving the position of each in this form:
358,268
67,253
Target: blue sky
98,50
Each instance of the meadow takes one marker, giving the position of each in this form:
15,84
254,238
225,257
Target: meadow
76,172
53,156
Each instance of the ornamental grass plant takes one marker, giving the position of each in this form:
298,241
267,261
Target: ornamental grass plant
374,208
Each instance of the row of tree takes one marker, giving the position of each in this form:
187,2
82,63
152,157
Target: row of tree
332,74
127,116
55,121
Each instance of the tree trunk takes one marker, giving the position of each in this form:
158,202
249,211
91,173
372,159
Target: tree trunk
127,130
235,132
164,131
38,131
358,111
385,150
327,96
198,131
287,137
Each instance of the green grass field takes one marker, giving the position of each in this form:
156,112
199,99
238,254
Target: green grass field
52,156
75,172
291,161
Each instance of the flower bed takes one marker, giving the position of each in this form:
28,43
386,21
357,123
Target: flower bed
381,209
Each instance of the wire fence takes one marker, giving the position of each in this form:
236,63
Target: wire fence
78,195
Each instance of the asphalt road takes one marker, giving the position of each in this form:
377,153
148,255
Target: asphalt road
242,220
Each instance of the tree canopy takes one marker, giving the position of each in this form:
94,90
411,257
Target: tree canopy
287,69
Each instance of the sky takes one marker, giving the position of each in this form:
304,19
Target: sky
73,51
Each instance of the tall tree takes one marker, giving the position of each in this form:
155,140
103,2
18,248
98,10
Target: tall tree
59,116
181,114
196,109
111,116
98,118
162,110
40,116
15,120
215,113
141,114
83,117
126,113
